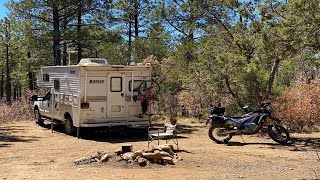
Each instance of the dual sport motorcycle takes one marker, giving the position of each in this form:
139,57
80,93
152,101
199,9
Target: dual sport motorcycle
224,127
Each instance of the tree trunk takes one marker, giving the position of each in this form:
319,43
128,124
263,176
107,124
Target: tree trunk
30,74
190,37
31,83
56,36
15,92
130,41
2,83
233,94
65,45
64,54
8,79
189,54
18,91
79,45
273,72
254,83
136,18
256,88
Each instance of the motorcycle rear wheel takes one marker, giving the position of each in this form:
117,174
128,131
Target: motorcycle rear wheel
278,133
214,134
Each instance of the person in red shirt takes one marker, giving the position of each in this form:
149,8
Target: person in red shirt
145,101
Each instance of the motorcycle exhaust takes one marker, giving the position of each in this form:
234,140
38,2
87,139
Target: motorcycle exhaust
229,132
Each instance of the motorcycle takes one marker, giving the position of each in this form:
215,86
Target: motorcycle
223,128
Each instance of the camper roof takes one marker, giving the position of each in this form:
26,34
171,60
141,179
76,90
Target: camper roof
93,62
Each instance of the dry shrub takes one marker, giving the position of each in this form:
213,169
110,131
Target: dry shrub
299,106
16,111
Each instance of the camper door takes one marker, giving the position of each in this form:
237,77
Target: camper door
116,95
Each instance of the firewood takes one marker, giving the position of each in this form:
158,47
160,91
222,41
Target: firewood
142,161
152,156
137,153
118,151
168,160
104,158
149,150
128,156
165,154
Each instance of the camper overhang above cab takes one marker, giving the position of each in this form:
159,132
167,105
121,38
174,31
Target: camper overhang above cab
93,62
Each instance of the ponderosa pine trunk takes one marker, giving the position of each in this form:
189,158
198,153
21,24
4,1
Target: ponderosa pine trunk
8,78
2,83
56,35
79,38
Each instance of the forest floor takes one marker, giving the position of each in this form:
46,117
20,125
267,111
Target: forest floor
29,151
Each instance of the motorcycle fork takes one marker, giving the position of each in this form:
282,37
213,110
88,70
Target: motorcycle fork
270,122
273,123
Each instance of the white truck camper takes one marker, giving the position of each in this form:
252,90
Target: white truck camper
91,94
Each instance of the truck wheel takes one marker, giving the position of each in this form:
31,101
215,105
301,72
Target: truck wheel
68,126
37,116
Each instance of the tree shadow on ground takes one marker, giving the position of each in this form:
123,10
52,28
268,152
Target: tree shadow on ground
251,143
295,144
305,144
186,129
118,135
115,135
8,136
111,135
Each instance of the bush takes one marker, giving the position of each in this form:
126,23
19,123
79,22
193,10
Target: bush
16,111
298,107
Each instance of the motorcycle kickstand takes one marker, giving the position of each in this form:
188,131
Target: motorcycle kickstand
242,138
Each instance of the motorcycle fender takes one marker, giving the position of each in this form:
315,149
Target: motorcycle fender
217,124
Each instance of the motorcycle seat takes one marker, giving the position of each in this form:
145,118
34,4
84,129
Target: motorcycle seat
239,120
234,117
242,116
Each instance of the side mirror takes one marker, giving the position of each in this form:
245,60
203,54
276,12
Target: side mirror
34,98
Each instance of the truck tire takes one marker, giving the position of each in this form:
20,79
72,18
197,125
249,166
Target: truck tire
37,117
68,126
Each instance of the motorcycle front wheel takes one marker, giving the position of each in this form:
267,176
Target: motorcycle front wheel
278,133
216,134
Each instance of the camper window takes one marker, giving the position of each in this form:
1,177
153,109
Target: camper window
136,84
116,84
56,85
45,78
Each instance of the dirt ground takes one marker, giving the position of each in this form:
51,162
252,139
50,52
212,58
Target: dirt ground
28,151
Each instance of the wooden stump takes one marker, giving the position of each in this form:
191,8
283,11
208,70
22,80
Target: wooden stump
126,148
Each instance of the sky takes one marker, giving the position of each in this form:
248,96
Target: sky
3,9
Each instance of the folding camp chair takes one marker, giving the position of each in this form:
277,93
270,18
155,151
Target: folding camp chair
168,132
